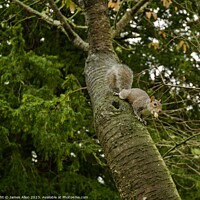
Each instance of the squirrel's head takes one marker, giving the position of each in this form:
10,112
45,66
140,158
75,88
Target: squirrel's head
155,106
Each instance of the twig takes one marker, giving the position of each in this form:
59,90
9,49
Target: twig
178,86
193,169
82,88
179,144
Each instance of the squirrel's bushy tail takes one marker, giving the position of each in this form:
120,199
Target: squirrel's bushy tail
119,77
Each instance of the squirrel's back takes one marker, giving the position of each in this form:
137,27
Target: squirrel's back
137,95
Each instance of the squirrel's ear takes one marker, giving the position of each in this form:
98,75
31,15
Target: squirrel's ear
160,100
152,98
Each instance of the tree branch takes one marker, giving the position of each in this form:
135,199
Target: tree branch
177,86
62,23
42,15
74,37
127,17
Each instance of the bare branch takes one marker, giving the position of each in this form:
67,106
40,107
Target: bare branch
42,15
61,17
178,86
179,144
127,17
63,24
75,39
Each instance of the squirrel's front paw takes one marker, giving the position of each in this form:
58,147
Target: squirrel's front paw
142,120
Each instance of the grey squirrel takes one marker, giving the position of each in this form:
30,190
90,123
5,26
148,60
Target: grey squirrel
119,79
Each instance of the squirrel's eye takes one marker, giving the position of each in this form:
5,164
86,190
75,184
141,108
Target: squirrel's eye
155,104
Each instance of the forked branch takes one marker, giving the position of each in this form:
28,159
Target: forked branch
127,17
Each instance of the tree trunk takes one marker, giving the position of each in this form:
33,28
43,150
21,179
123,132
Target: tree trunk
137,167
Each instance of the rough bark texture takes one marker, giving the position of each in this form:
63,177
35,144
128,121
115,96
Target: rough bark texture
138,169
99,33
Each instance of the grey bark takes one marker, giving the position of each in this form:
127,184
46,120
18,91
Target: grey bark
137,167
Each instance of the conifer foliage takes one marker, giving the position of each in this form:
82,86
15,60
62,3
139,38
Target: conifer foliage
46,143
